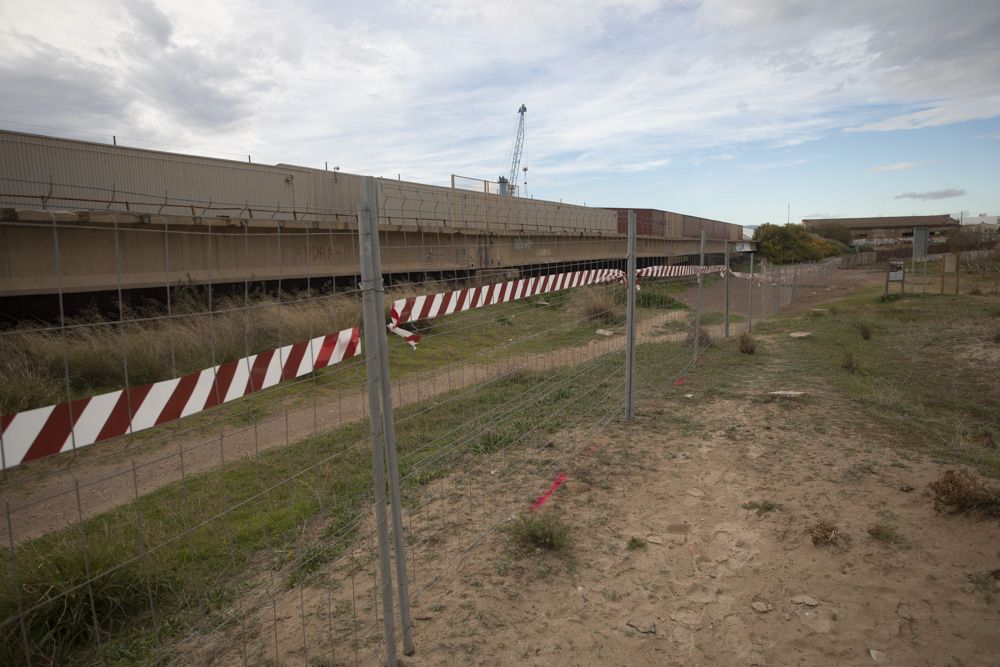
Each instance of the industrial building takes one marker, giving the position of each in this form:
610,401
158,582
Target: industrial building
225,220
885,230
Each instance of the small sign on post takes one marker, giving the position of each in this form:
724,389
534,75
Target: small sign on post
895,273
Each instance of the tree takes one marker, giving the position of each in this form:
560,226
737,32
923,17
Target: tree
782,244
836,231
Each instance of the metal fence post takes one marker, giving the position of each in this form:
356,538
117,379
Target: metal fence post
630,323
725,290
777,291
370,192
697,313
373,325
750,298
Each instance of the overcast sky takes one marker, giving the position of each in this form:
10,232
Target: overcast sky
731,109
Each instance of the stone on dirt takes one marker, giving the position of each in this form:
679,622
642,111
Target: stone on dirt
806,600
761,606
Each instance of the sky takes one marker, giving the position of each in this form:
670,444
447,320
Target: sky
749,111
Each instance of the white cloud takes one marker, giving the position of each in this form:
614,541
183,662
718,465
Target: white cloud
947,193
896,166
430,88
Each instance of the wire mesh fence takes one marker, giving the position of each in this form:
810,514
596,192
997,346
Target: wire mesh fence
240,440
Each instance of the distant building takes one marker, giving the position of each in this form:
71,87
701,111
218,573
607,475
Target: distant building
987,226
888,229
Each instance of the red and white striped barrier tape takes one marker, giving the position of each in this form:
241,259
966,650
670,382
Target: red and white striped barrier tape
33,434
678,270
416,308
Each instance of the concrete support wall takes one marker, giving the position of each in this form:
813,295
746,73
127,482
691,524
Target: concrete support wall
43,253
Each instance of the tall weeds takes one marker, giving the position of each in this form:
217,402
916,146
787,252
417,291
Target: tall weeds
95,354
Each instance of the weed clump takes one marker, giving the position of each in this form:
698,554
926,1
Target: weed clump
866,327
704,338
960,492
598,305
985,583
849,364
885,533
68,606
541,530
762,507
747,345
826,534
635,543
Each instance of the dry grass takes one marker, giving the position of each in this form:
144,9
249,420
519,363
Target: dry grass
762,507
960,492
95,354
747,345
826,534
704,338
597,305
849,364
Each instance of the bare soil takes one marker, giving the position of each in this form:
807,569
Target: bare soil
714,583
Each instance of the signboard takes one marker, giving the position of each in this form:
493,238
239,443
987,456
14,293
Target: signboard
896,272
920,243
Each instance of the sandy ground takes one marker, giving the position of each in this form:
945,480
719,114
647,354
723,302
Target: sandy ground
717,584
714,583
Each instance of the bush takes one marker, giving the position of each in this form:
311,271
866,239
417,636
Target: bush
792,243
958,491
836,232
827,534
598,305
704,338
747,345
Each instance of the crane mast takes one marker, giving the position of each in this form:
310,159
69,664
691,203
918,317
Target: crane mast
507,183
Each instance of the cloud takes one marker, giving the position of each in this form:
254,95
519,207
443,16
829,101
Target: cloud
896,166
947,193
431,88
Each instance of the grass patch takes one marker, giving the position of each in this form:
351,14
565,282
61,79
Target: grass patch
849,363
762,507
635,543
541,530
866,326
885,533
985,583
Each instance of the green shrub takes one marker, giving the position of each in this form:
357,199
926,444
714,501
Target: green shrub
541,530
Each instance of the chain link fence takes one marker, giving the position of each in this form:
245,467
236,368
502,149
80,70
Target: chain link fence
274,439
